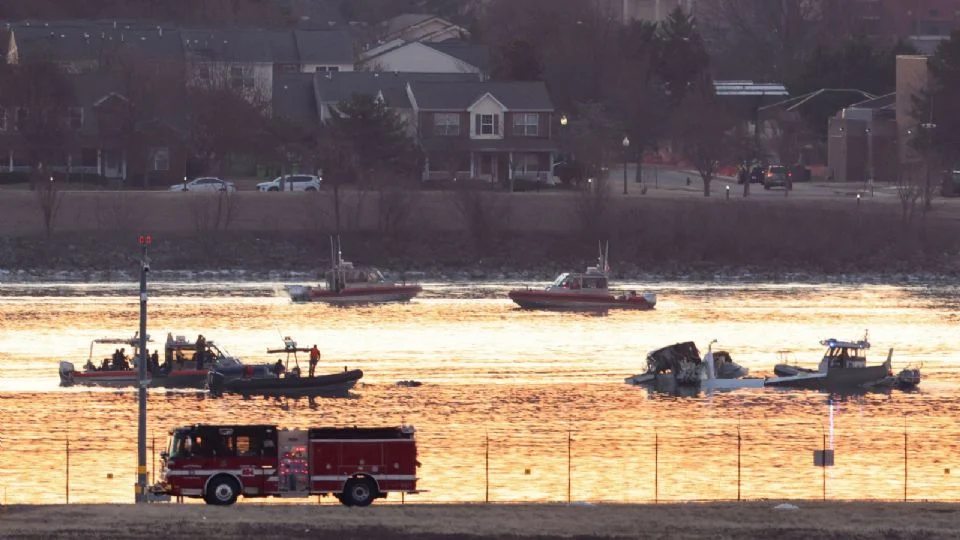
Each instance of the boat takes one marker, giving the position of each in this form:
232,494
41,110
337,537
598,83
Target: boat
844,365
680,365
583,291
178,370
347,284
284,380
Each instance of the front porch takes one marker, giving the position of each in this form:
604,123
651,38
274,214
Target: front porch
493,165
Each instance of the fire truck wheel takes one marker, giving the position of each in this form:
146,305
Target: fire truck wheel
359,492
222,491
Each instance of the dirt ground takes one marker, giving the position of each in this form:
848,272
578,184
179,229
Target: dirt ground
757,520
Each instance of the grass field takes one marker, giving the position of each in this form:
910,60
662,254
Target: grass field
755,520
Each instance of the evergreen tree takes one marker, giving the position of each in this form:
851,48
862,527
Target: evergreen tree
683,57
377,137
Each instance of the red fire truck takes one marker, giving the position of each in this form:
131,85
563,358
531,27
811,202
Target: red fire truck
356,465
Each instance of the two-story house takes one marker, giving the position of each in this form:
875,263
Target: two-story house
246,60
495,131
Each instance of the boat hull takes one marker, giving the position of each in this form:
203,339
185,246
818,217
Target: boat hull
332,384
188,378
355,296
835,379
549,300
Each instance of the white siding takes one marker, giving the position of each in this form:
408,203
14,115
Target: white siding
418,58
484,106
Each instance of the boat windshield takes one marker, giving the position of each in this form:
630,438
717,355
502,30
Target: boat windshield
560,280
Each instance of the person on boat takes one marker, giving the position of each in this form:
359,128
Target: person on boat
105,365
295,372
179,359
314,359
198,358
89,366
278,368
154,361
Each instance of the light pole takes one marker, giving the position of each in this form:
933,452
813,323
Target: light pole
626,146
141,497
869,133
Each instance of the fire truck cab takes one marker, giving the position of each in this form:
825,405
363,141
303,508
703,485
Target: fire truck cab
357,465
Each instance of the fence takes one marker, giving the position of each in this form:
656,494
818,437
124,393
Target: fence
645,465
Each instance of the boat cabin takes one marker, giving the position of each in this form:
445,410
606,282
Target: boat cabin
114,362
845,354
573,281
348,274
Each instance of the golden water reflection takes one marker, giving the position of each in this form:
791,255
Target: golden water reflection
541,393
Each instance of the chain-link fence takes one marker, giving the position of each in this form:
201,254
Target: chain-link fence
867,459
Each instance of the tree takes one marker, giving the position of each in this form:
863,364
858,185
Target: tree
518,61
769,40
702,126
224,121
936,109
377,135
683,58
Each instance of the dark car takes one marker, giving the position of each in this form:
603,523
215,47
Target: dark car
798,173
775,175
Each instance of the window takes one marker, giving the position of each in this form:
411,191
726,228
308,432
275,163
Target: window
488,124
446,124
204,72
76,118
526,124
161,159
3,119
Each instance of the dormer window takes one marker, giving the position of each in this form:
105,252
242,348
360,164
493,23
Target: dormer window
488,124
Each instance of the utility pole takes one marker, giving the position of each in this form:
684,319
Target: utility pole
141,496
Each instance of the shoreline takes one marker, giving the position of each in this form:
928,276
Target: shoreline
741,520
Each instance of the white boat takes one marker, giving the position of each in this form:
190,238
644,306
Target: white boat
681,365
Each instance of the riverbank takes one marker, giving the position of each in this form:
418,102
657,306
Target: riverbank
755,520
458,236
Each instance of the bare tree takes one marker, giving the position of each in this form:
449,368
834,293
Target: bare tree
49,199
213,212
910,188
484,215
593,209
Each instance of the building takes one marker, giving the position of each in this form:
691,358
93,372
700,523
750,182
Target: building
912,78
330,89
862,141
493,131
922,22
452,56
419,27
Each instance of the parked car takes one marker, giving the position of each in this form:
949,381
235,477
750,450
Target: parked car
292,182
775,175
799,173
205,183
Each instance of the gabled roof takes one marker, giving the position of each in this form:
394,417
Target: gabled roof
293,97
458,96
474,54
241,45
73,42
886,101
325,46
338,86
397,26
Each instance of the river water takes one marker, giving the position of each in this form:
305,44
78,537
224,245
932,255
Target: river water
515,405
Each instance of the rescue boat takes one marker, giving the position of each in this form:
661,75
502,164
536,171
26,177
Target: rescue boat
586,291
347,284
172,373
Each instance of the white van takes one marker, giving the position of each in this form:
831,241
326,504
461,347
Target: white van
292,182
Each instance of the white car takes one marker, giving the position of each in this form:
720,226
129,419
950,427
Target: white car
206,183
292,182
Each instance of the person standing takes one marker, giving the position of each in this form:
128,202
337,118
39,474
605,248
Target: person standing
314,359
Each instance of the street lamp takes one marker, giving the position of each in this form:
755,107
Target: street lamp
563,120
626,146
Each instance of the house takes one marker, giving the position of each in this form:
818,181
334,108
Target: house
87,47
420,27
100,137
452,56
495,131
333,88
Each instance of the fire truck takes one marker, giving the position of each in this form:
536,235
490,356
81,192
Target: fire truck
219,463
